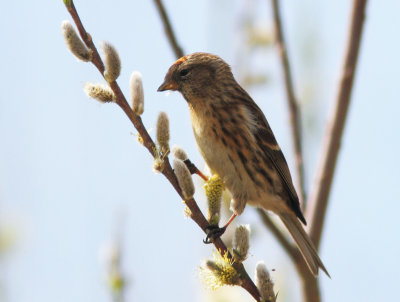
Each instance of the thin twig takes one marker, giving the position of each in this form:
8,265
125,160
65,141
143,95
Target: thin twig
196,213
318,200
294,112
168,29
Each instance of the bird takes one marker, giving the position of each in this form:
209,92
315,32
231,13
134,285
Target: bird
237,143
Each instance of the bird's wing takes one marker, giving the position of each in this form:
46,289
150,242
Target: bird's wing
266,140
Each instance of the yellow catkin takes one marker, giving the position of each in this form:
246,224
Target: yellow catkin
219,271
214,189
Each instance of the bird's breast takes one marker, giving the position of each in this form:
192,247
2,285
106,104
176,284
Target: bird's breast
225,146
206,133
229,148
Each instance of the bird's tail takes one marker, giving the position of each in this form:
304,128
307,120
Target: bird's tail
304,243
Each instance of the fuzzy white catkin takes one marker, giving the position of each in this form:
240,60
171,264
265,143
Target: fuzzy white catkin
74,43
264,283
179,153
241,242
184,178
163,132
112,62
137,93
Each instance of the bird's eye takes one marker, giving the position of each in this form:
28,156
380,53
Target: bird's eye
183,72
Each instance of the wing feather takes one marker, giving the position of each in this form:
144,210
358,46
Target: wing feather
266,140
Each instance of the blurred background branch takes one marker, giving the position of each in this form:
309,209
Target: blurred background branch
168,29
294,110
319,196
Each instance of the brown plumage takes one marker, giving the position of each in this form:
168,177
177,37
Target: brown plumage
237,143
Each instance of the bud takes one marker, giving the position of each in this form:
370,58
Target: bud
110,253
240,242
187,212
264,283
179,153
112,62
100,92
137,94
184,179
74,43
158,164
218,272
214,188
67,3
139,138
163,132
116,281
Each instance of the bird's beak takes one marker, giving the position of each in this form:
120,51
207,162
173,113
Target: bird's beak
168,85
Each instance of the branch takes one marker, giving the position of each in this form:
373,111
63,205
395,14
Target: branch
294,114
318,200
168,29
289,248
309,282
168,172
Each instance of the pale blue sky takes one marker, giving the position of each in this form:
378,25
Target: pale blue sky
71,169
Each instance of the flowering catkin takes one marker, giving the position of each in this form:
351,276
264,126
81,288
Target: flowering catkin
184,178
137,94
214,188
264,283
163,132
240,242
219,271
74,43
100,92
112,62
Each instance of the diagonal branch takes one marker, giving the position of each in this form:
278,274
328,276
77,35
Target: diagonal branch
294,112
168,172
318,200
168,29
284,242
309,282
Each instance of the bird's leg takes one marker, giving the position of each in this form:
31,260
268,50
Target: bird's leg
194,170
214,231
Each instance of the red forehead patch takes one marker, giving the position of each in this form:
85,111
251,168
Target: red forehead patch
181,60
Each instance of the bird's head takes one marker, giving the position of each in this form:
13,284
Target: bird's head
197,75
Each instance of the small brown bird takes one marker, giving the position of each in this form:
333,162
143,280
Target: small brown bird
237,143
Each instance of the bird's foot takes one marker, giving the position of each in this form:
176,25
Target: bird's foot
213,232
